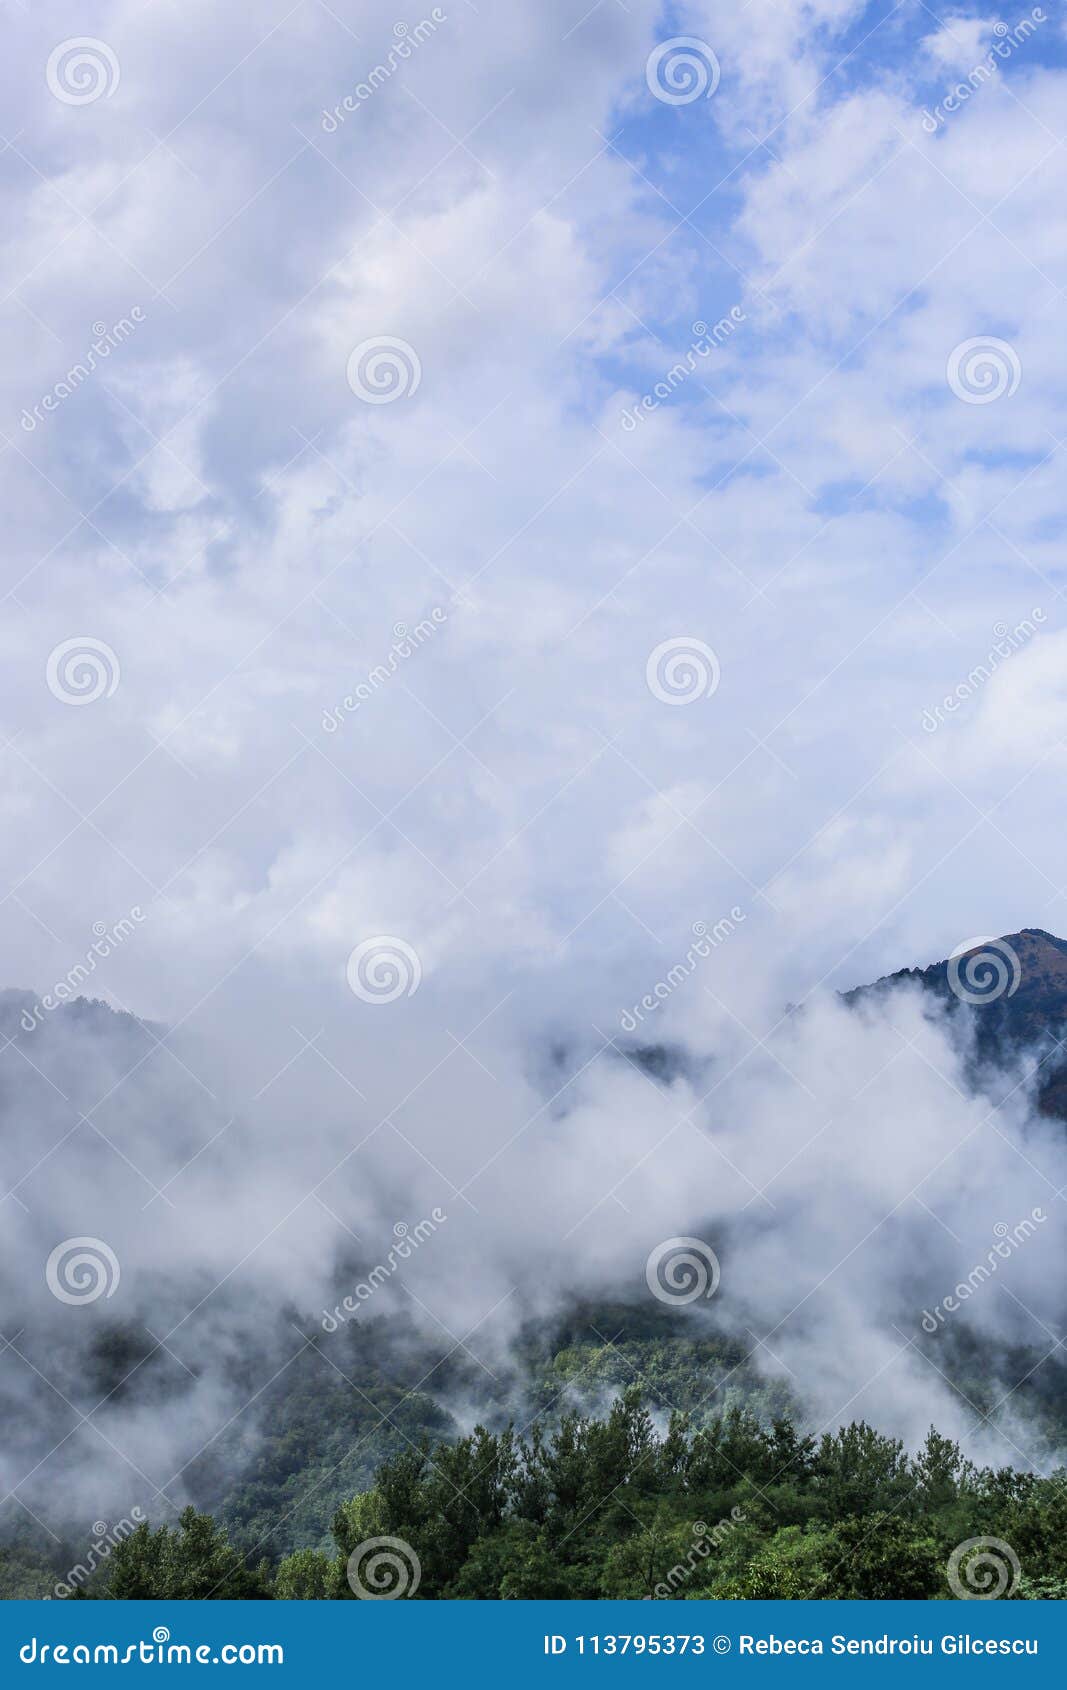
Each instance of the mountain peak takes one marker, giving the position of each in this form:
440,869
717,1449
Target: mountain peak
1015,989
1036,961
1039,959
23,1011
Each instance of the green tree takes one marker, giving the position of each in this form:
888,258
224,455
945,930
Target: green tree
195,1562
882,1557
306,1576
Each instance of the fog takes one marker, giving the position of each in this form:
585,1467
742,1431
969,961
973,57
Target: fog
481,794
844,1176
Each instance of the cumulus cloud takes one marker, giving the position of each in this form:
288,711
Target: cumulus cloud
299,755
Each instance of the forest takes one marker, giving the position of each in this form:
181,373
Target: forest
614,1507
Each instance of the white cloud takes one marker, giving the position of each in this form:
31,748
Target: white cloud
816,505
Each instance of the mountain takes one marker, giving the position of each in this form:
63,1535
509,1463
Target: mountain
24,1012
1012,992
312,1424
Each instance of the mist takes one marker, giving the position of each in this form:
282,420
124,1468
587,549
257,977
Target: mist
844,1175
466,800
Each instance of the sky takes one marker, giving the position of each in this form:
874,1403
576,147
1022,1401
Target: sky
530,481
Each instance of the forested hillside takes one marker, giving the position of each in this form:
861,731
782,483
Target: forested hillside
611,1507
616,1441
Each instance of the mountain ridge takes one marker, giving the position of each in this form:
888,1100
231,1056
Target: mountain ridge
1013,989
